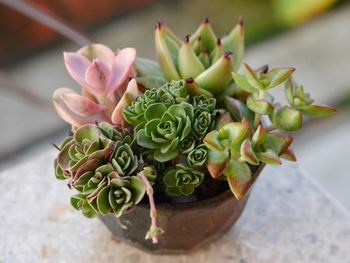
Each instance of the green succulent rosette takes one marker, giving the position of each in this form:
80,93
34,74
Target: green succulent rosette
187,144
202,103
165,129
171,93
182,180
96,158
198,156
120,194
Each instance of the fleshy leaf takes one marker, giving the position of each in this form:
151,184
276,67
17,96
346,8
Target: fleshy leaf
279,75
317,110
260,106
268,156
247,153
239,178
120,71
288,119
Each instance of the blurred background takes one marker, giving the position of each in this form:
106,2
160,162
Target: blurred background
311,35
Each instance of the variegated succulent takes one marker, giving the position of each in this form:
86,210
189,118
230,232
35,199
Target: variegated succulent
103,77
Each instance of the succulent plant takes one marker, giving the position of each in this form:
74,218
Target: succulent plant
231,151
99,159
182,180
165,128
191,113
168,94
198,156
207,60
103,77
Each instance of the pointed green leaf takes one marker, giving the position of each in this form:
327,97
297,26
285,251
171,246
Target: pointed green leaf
279,75
260,106
317,110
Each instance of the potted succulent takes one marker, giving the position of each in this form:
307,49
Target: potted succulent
169,150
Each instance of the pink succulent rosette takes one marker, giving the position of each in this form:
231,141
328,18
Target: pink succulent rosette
106,83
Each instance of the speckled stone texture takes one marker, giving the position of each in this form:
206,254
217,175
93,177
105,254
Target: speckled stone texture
287,219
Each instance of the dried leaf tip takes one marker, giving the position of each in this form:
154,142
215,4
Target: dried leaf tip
228,54
206,20
159,24
187,39
241,21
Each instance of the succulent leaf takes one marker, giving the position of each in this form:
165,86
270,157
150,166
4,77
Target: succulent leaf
188,63
216,78
182,180
287,119
239,178
234,42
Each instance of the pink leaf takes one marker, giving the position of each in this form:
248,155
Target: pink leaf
67,114
81,105
131,93
121,68
102,52
97,75
76,65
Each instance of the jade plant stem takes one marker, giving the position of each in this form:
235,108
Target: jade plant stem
154,230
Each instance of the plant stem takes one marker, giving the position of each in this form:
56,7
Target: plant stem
154,230
257,120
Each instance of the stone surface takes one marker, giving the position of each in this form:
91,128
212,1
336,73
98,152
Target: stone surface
287,219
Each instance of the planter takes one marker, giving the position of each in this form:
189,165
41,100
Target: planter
187,226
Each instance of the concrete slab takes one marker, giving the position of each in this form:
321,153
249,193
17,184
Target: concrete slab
288,219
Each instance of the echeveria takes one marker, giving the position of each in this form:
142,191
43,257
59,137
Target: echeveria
198,156
165,129
182,180
103,77
120,194
168,94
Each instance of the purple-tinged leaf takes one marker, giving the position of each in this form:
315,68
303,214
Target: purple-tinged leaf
76,66
81,105
121,69
67,114
98,51
97,76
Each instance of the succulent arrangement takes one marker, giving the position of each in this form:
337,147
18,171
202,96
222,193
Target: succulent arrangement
160,129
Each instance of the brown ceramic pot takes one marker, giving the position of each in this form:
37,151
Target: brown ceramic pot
187,226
